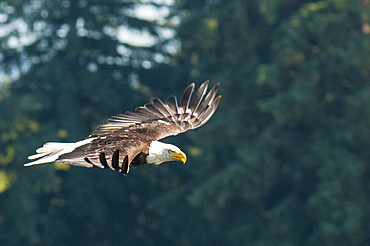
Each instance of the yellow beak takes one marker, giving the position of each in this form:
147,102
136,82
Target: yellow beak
180,156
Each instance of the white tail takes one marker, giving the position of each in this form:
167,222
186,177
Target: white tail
50,152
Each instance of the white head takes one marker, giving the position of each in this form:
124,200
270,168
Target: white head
161,152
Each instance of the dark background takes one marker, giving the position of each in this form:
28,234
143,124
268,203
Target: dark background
284,160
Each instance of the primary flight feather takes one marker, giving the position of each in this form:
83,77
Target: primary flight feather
131,139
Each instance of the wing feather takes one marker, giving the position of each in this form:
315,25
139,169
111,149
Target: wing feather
144,110
185,99
103,160
199,96
125,166
152,108
137,114
161,107
115,159
172,104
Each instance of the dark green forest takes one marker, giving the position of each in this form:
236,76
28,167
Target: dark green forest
285,160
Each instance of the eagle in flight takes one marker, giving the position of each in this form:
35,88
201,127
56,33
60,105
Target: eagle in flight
131,139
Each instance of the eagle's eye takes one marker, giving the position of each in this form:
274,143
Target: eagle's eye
171,152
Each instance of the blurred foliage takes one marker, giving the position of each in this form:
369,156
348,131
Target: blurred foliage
292,164
284,161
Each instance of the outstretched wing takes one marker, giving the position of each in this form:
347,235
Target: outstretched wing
157,120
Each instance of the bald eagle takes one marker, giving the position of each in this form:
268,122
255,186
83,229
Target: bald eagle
131,139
